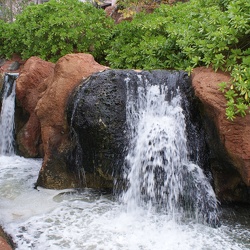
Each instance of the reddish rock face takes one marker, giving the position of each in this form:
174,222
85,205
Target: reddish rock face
4,245
50,110
234,137
43,90
30,84
6,242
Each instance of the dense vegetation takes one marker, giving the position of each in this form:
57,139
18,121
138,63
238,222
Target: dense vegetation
181,36
187,35
56,28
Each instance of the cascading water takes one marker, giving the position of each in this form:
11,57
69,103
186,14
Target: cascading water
7,115
91,220
158,169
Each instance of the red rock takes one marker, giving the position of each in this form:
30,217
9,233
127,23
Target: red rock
4,245
234,135
6,242
68,72
31,82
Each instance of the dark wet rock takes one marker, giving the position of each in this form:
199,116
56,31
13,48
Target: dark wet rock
14,66
1,84
97,115
99,107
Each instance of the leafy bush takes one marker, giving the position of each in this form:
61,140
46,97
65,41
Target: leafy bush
143,43
56,28
3,28
237,91
187,35
181,36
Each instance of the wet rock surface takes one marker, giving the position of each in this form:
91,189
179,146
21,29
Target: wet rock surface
97,116
229,142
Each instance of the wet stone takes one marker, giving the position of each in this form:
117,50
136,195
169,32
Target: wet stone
14,66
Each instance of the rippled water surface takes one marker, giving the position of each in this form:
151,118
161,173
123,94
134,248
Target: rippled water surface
71,219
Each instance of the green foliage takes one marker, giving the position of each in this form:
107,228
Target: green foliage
186,35
56,28
237,91
144,43
181,36
3,27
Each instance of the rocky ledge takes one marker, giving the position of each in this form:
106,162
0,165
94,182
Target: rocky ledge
43,90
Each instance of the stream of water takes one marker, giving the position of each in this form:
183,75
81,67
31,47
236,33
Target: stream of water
7,115
159,172
87,219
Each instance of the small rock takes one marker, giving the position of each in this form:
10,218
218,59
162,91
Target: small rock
14,66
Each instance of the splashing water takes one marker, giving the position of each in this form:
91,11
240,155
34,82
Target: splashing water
70,219
158,172
85,219
7,115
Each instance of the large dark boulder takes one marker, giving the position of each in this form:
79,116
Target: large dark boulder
97,117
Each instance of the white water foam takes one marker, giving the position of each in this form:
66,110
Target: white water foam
159,173
70,219
7,116
85,219
17,180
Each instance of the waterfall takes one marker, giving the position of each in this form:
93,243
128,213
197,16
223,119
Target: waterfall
142,129
161,168
158,170
7,115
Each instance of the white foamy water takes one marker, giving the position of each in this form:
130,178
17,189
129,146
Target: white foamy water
159,173
70,219
7,115
43,219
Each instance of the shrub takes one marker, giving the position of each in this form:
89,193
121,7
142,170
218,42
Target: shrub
3,28
187,35
56,28
181,36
